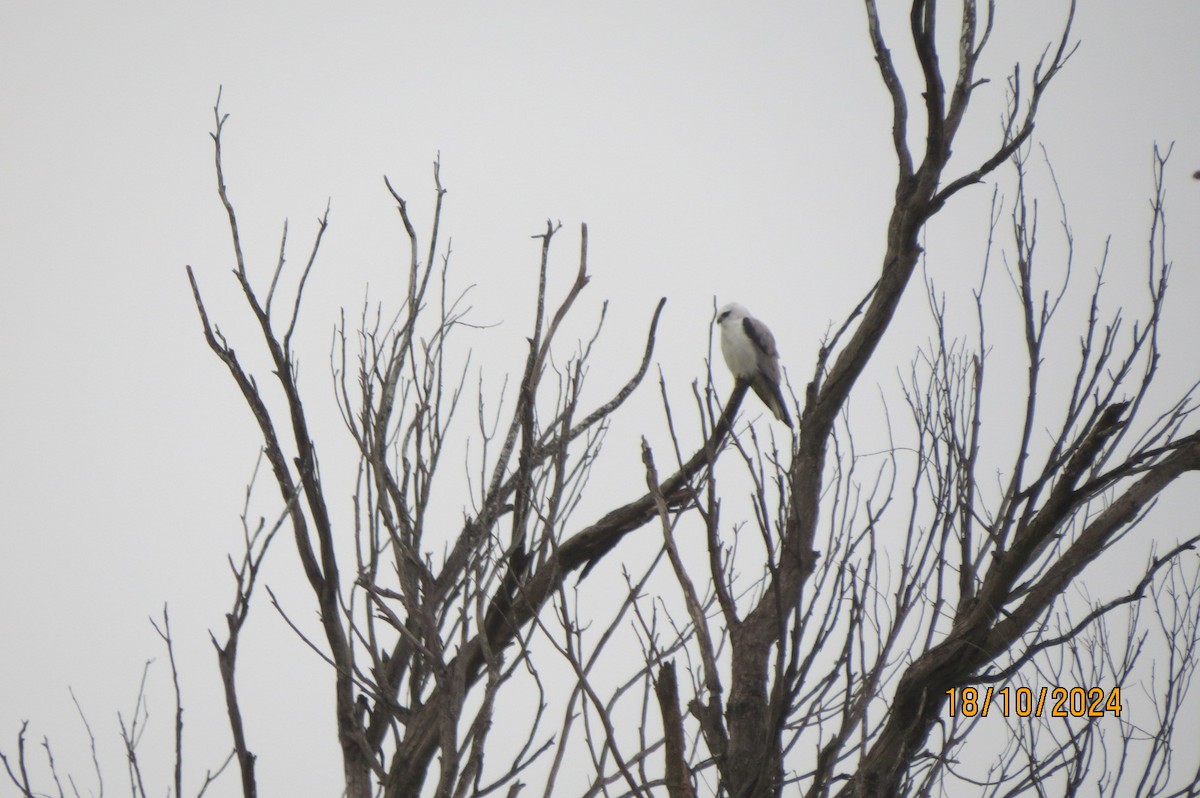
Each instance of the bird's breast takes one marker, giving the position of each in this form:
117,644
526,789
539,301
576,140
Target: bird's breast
740,354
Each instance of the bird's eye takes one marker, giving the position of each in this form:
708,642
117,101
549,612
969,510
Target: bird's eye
722,317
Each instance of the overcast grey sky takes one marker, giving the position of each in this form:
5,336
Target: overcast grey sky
740,152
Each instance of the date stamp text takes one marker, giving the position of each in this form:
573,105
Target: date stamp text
1025,702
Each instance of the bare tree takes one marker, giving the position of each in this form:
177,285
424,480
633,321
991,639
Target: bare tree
824,658
420,648
897,592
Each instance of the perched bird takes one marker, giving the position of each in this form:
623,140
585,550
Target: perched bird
750,353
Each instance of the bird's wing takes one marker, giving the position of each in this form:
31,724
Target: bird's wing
764,342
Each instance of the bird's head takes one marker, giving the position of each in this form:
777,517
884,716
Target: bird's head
732,312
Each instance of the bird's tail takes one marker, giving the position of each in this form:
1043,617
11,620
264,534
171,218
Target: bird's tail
772,397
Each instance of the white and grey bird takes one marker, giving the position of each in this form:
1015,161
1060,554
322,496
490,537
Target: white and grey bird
750,353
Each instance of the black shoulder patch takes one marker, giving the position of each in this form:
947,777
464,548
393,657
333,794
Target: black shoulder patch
760,338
